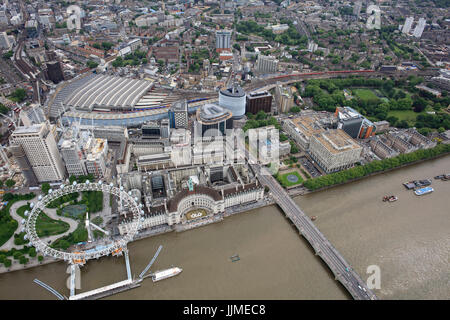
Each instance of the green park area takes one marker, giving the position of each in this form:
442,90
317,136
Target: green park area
408,115
7,224
45,226
289,179
396,100
365,95
79,235
69,205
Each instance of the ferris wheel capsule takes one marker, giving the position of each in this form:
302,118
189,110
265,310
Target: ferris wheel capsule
50,191
23,221
135,199
140,205
111,185
129,193
31,205
87,182
30,244
100,182
25,237
26,213
121,188
62,186
23,229
40,197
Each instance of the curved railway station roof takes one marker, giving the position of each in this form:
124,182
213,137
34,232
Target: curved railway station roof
108,92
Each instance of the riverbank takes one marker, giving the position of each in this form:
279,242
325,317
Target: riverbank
307,191
17,266
155,231
408,240
159,230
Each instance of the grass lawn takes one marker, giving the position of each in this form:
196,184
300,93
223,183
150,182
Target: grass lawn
45,226
365,94
408,115
283,179
79,235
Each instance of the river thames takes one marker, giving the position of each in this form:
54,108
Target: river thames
409,240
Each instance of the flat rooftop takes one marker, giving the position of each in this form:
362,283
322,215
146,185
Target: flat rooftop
35,128
336,141
308,125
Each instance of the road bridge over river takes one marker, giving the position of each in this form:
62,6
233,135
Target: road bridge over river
323,248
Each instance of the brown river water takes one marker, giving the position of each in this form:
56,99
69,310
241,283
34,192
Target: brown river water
409,240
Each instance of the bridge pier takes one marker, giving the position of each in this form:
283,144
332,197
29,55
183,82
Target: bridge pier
127,264
73,268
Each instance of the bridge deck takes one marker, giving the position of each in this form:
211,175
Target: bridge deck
95,292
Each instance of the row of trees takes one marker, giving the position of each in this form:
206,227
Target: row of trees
261,119
375,166
18,254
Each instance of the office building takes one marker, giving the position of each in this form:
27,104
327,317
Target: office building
407,26
96,157
233,99
259,101
301,128
39,145
54,71
135,44
212,120
419,28
4,41
284,97
312,47
223,40
334,150
31,27
266,64
357,8
354,124
24,164
73,158
178,115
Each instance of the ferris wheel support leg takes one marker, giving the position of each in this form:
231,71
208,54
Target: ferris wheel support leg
127,264
73,268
